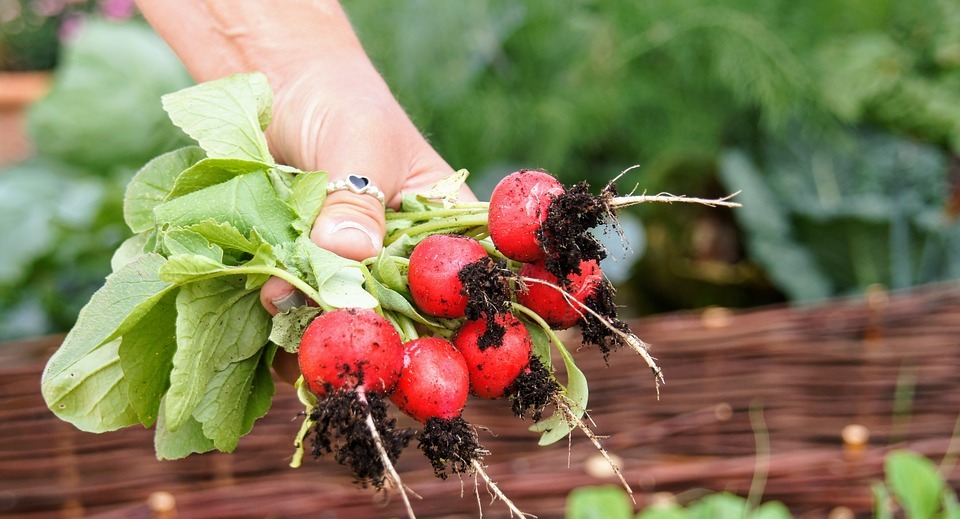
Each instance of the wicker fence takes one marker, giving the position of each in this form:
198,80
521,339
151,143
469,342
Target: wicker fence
795,378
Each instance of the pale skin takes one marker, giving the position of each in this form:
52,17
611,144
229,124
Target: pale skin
332,109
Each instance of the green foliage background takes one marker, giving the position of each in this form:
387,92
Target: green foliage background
839,120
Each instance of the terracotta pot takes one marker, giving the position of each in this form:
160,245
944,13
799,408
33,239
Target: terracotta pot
17,91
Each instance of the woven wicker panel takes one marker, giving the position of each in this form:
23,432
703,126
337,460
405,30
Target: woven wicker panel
889,363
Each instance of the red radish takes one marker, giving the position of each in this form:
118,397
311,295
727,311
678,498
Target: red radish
494,369
434,382
518,207
434,271
552,305
350,347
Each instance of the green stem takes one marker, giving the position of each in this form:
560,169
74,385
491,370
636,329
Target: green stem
440,224
436,213
298,283
409,330
541,323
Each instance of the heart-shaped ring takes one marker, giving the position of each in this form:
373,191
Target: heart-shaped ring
358,184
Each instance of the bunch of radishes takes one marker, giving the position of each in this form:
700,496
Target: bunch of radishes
486,286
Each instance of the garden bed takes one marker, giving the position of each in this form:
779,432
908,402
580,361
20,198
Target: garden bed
794,377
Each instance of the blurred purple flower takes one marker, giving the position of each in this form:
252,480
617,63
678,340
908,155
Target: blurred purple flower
117,9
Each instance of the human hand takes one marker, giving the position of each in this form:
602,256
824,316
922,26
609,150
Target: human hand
349,123
332,111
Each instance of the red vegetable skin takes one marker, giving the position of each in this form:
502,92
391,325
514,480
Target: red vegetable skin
343,347
494,369
518,206
434,382
549,303
434,273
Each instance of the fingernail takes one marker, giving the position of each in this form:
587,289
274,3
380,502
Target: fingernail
292,300
351,228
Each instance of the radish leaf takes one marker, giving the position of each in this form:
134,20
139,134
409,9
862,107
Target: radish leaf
233,393
288,327
153,183
92,393
184,241
306,199
218,322
188,439
227,236
226,117
210,172
576,392
246,202
83,382
146,356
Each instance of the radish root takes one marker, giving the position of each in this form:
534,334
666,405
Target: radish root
384,457
635,343
562,405
497,493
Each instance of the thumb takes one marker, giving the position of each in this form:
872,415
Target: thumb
350,225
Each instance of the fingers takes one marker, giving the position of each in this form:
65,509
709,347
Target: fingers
276,295
351,225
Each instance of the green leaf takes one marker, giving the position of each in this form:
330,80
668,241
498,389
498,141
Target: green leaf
447,190
210,172
92,393
218,322
395,302
306,199
82,382
541,342
246,202
227,236
153,183
187,268
771,510
576,393
234,399
146,357
261,390
881,502
339,280
602,502
179,241
176,444
288,327
719,506
386,270
914,481
344,289
951,508
671,511
226,117
263,258
131,250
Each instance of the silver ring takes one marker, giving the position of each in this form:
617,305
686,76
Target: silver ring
358,184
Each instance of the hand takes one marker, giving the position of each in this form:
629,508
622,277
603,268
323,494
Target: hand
332,111
343,124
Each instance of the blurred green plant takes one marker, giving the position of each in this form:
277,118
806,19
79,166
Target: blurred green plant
31,31
611,502
835,214
60,212
591,88
914,484
687,89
